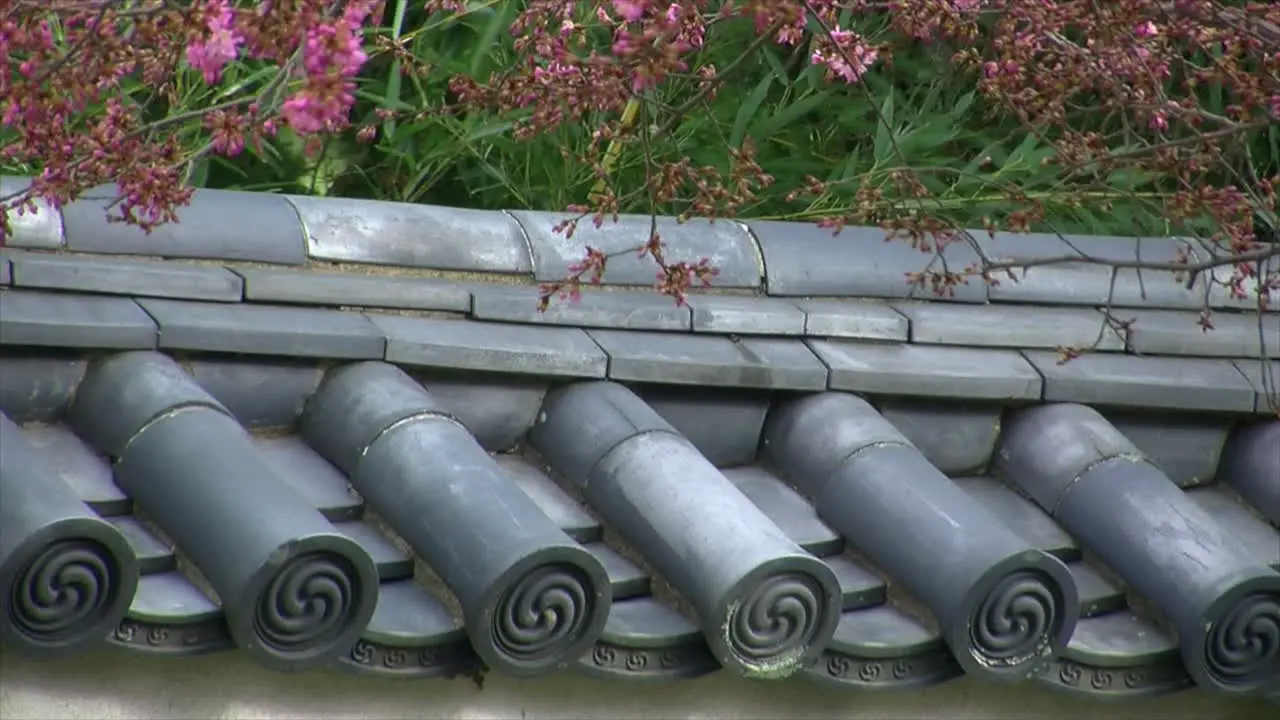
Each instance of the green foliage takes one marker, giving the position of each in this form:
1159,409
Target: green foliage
917,111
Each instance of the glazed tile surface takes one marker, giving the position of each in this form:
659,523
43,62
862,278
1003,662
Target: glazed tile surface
338,434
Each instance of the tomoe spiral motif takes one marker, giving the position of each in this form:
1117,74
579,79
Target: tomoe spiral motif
1244,646
65,590
1015,620
546,611
308,603
780,616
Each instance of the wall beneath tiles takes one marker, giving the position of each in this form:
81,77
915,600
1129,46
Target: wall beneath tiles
110,684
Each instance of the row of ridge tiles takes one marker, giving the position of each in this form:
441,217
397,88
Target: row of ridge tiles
782,258
931,350
122,438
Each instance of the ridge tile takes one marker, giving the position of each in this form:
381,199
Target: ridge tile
763,363
41,230
1146,382
377,232
217,225
804,260
264,330
596,309
1008,326
78,321
146,278
1235,335
856,319
739,315
308,287
726,245
928,370
491,347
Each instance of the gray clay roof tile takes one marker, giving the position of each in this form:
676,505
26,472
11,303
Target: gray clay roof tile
627,485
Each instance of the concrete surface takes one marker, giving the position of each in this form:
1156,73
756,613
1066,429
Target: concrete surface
111,684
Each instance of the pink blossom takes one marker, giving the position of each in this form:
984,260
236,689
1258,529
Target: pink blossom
846,43
630,10
212,54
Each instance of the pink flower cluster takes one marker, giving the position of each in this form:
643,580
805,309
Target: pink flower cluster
844,54
220,46
332,55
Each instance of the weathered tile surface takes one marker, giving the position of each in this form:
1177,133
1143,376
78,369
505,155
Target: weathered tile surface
804,260
1186,447
957,438
264,330
74,321
1144,382
493,347
1264,377
1067,283
950,372
1021,515
1234,335
153,555
623,310
724,243
738,315
353,289
1011,326
37,387
145,278
41,229
764,363
853,319
420,236
787,509
217,225
1257,536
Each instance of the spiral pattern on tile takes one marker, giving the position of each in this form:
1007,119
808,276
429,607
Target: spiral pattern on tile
308,603
547,610
1016,620
1243,647
780,617
65,590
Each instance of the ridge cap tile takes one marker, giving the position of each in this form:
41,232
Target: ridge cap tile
414,235
42,229
803,260
215,225
724,242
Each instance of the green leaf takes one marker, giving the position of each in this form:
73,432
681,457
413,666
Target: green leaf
767,127
747,111
883,147
493,30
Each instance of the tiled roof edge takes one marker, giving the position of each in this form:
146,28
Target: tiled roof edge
785,259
